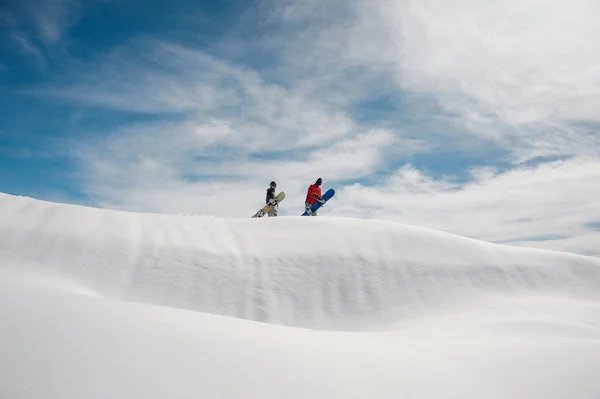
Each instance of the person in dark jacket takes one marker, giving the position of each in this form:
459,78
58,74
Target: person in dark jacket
313,195
270,200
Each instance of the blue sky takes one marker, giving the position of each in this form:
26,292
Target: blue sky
478,119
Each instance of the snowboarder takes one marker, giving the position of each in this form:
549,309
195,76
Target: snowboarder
270,200
313,195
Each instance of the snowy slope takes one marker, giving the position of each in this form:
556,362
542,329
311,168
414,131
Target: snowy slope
97,303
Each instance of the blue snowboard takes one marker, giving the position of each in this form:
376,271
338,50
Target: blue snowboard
327,196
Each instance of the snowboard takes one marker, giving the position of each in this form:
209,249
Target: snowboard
327,196
265,209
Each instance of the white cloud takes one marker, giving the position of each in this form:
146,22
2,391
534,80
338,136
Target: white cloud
138,169
519,205
521,73
515,71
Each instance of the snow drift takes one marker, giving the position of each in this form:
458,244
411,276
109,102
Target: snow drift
324,273
383,309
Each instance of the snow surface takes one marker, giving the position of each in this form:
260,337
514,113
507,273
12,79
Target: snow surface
105,304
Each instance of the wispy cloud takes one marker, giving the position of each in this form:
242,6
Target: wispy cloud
38,25
53,18
156,77
30,48
227,126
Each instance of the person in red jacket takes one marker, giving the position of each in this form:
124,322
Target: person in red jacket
313,195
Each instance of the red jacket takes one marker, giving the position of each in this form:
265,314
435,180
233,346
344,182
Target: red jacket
313,189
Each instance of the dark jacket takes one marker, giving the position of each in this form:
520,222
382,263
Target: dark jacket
270,194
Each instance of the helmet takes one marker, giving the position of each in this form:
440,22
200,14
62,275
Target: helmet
319,181
273,184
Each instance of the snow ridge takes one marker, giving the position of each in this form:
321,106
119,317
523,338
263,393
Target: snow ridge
319,273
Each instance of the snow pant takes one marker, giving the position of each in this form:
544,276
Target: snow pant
307,206
274,211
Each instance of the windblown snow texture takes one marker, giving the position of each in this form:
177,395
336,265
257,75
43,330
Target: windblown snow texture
97,303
